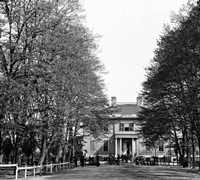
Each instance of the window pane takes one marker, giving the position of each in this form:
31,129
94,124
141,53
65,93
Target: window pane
105,145
131,125
121,127
161,146
126,128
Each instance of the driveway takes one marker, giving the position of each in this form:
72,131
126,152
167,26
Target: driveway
124,172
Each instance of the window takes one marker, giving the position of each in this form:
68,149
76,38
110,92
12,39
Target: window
105,145
197,152
126,127
161,146
121,127
131,126
70,131
92,145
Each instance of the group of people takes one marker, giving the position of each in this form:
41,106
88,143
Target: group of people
82,161
112,159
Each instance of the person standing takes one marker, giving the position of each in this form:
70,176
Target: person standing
82,160
85,159
110,159
118,159
97,159
75,161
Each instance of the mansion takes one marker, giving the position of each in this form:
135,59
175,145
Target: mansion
123,137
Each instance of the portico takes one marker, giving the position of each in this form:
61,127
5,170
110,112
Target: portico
126,145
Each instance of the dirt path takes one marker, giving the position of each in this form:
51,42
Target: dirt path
124,172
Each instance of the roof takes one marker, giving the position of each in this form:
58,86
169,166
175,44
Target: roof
127,111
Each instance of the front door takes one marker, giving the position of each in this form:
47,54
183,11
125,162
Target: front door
126,146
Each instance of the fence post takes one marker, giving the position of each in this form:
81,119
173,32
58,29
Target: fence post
51,170
34,169
25,171
16,172
41,170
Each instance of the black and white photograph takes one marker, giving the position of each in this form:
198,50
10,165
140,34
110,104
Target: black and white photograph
100,89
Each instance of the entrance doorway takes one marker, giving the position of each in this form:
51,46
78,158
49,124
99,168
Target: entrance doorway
126,146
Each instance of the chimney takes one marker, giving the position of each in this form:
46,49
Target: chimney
113,101
139,101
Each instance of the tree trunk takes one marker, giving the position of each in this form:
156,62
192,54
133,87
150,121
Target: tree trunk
58,152
45,148
64,153
178,148
1,147
199,151
193,152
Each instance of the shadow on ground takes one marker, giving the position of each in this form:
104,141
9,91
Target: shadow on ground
125,172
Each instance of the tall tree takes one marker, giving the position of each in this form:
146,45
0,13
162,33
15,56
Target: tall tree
172,81
51,74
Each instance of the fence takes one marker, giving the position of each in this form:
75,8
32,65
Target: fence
40,168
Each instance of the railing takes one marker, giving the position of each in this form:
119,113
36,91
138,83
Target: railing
49,167
126,132
8,166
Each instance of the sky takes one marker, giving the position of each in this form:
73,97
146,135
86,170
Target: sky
130,30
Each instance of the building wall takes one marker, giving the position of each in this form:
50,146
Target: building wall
97,146
167,151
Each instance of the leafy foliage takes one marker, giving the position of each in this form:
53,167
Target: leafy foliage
172,86
50,76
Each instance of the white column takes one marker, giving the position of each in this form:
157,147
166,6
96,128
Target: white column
136,144
133,150
120,146
115,147
133,147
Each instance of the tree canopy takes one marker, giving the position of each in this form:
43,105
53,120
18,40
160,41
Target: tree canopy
172,86
51,77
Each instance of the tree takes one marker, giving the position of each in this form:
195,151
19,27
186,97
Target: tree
172,85
51,75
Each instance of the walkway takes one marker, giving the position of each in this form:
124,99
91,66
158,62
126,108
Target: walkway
124,172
